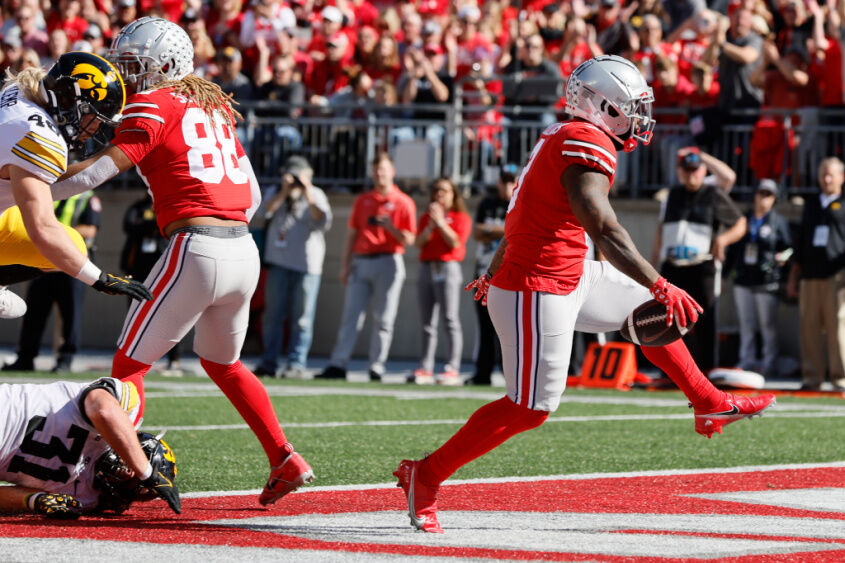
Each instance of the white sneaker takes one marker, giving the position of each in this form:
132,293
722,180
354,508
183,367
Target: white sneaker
11,306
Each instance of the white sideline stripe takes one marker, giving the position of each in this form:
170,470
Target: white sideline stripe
569,477
603,418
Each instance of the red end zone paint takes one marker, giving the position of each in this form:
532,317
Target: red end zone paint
644,495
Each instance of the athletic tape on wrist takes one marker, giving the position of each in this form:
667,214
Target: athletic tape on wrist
29,500
89,273
147,472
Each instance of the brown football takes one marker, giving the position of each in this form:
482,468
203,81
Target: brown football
646,326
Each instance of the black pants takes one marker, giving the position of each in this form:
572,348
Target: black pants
700,282
68,293
489,351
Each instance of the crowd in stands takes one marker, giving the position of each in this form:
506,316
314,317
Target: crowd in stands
725,54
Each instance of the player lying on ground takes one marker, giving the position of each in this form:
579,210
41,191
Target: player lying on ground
541,289
71,448
179,130
42,114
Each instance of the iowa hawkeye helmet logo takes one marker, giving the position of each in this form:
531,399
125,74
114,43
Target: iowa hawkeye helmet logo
92,81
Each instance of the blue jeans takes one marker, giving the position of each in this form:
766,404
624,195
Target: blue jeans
288,295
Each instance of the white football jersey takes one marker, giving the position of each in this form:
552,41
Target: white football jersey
30,139
47,442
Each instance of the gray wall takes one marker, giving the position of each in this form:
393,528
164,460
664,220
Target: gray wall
104,314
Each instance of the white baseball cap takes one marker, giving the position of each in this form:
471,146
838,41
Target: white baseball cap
332,14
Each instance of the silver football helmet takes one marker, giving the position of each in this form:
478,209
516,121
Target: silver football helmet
150,50
611,93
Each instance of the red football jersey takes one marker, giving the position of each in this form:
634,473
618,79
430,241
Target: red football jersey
546,243
189,164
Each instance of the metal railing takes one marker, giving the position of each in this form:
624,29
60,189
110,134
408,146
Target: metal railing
469,143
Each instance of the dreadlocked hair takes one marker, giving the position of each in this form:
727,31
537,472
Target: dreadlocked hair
29,83
206,94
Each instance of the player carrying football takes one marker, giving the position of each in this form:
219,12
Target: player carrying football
178,130
42,114
541,288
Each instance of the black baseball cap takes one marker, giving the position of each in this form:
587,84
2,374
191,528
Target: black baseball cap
509,172
690,161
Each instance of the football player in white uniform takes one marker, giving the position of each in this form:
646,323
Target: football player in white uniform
42,114
70,448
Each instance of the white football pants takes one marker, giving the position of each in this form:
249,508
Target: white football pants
201,281
535,329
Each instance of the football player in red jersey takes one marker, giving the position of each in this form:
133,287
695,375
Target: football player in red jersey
178,130
541,288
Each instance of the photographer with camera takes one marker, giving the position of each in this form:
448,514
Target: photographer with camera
382,223
298,217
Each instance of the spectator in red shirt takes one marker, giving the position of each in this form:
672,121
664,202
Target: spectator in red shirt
438,8
67,18
443,232
224,22
382,223
472,46
692,50
706,93
671,89
331,23
12,50
286,46
30,35
330,74
825,51
366,45
126,13
385,60
784,79
266,19
652,45
364,11
57,45
579,44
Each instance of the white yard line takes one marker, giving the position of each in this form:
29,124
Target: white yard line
569,477
599,418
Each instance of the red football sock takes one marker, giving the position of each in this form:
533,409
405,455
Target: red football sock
678,364
126,369
250,398
488,427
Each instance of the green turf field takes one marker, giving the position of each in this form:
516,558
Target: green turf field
357,433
